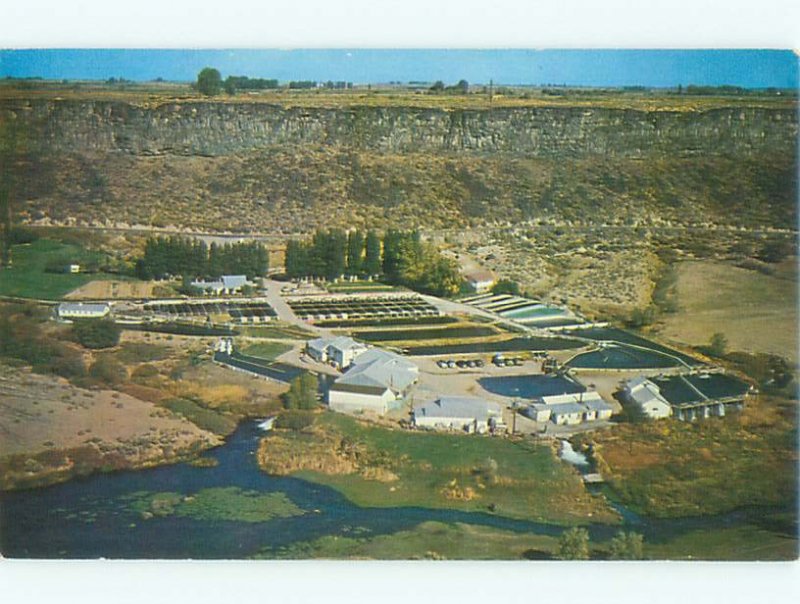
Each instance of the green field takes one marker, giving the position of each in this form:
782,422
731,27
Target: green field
376,466
278,331
429,540
27,277
266,350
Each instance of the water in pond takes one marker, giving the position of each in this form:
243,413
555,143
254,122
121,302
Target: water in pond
88,518
530,386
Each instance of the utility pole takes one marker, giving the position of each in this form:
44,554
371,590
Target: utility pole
491,91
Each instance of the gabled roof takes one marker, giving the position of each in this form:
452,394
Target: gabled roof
573,397
234,281
643,391
380,369
207,284
81,307
459,406
342,343
566,408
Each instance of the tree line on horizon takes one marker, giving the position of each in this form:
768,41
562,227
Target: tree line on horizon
172,256
398,258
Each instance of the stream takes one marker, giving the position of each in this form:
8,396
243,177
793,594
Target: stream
86,518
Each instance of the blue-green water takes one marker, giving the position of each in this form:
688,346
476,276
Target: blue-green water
530,386
87,518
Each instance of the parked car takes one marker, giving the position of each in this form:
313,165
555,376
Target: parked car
479,363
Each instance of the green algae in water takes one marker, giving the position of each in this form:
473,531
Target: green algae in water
220,503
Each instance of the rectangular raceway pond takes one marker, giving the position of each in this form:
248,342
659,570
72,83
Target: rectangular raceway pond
531,386
535,344
235,309
179,329
280,372
424,334
387,322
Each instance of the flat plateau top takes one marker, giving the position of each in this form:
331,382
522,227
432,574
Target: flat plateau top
155,94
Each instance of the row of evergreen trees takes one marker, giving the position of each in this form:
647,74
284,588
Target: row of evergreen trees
191,258
400,257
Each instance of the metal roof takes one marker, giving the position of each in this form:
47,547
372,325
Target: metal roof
81,307
381,368
566,408
459,406
234,281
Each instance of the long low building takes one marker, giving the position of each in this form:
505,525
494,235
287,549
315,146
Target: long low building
79,310
569,409
467,413
377,381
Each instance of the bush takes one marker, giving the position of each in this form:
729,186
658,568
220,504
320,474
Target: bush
302,392
295,419
627,546
506,286
96,334
108,370
573,544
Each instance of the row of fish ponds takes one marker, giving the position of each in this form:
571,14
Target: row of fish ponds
350,308
234,309
443,333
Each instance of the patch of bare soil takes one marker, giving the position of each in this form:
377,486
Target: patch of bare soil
48,427
106,290
756,312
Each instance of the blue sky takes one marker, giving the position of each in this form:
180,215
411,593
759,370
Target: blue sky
748,68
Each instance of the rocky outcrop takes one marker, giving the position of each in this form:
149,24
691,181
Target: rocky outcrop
216,129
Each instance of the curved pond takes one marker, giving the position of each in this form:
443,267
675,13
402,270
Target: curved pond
88,518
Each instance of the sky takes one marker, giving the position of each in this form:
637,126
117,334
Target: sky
653,68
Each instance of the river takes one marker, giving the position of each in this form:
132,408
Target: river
84,518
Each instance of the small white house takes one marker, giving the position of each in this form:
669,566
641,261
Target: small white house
468,413
74,268
376,380
79,310
340,351
567,414
227,284
570,409
647,396
480,281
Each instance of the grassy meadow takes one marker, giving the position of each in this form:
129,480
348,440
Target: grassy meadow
378,466
27,278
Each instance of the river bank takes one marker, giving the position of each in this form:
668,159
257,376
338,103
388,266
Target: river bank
221,512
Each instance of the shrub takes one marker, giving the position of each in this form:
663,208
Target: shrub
96,334
108,370
573,544
295,419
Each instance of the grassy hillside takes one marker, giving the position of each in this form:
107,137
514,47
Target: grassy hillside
294,188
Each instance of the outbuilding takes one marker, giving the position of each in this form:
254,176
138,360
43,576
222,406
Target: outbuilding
467,413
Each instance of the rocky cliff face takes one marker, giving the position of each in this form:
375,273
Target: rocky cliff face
267,168
214,129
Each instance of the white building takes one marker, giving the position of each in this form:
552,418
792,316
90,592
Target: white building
647,396
375,382
79,310
468,413
339,351
480,281
227,284
569,409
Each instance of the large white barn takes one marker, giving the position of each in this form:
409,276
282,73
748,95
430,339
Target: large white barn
375,382
79,310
